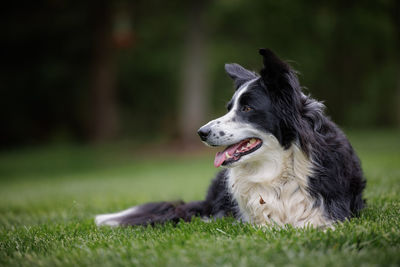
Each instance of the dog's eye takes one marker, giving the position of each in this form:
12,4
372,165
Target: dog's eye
246,108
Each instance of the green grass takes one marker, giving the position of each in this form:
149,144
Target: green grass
48,198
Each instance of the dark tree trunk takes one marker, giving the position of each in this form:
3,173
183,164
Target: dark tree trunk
103,122
194,81
396,19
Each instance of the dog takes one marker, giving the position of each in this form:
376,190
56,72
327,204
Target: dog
285,162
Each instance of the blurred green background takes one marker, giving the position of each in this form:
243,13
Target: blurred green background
146,70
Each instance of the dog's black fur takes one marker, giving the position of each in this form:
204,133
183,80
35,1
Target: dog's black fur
290,116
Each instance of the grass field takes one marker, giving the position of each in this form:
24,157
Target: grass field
48,197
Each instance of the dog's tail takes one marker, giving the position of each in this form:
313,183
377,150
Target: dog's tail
154,213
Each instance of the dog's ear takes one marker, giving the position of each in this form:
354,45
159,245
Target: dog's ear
276,74
239,74
284,89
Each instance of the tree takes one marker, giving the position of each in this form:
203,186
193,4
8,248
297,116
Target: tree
103,122
396,20
195,80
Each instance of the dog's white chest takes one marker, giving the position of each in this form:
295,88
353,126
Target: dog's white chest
275,193
282,204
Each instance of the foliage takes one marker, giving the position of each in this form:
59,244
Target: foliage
346,52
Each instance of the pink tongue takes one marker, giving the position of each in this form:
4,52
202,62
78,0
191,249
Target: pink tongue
220,157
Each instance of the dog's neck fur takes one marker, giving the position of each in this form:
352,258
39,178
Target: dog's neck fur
272,189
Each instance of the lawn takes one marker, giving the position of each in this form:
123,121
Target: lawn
49,196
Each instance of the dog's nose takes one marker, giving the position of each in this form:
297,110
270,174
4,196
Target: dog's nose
204,132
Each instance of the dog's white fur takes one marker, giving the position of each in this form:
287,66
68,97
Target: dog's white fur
271,189
112,219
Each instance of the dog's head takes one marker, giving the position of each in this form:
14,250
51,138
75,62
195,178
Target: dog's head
262,114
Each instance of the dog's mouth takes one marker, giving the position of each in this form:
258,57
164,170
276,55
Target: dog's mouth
234,152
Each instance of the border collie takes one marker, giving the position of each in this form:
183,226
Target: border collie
285,162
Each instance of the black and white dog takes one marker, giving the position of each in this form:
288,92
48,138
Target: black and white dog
285,161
